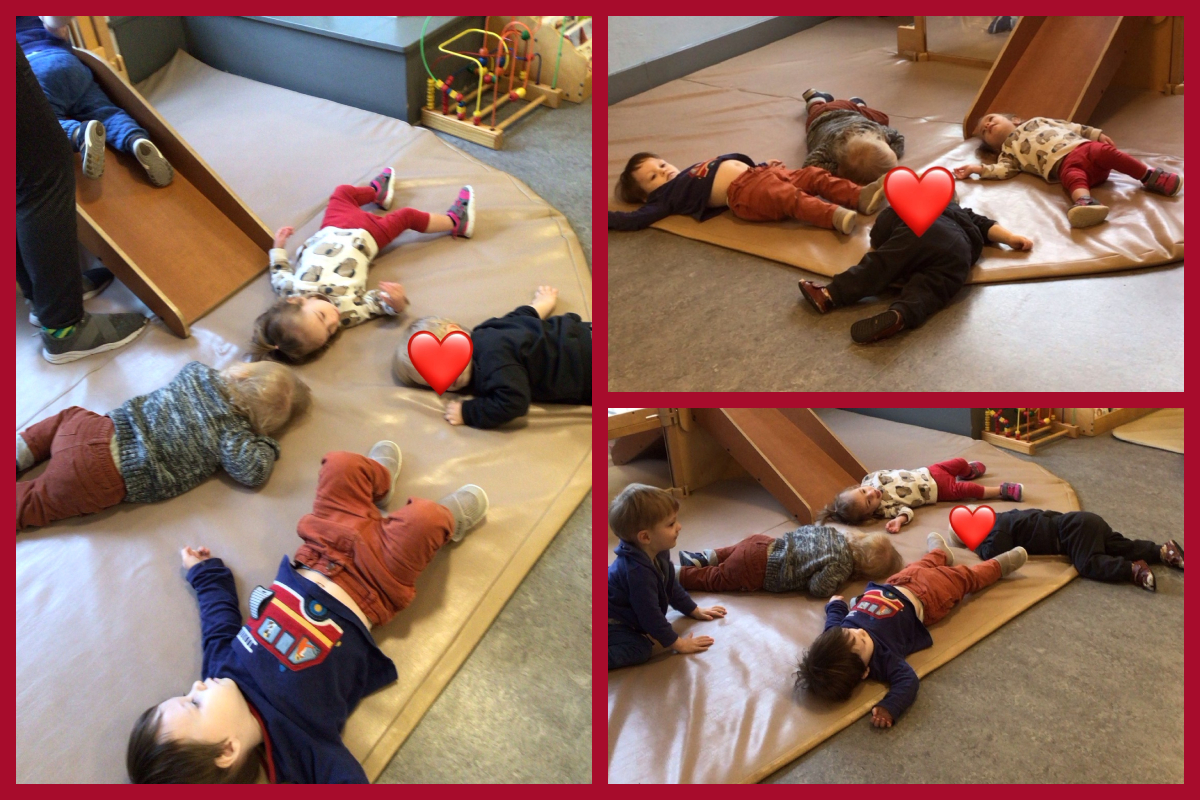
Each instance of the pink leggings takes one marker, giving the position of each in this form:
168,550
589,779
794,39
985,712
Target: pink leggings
1090,163
945,475
345,211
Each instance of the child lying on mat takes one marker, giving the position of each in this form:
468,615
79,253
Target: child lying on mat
932,267
872,637
158,445
849,139
893,493
764,193
525,356
641,582
327,288
1078,155
278,687
813,558
1097,551
84,111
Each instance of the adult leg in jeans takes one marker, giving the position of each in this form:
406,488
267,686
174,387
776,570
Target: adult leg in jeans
627,647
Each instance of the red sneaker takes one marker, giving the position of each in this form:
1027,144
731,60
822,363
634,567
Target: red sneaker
1160,181
1142,575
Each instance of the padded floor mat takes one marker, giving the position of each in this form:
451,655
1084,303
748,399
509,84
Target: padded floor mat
752,104
729,715
1162,429
105,623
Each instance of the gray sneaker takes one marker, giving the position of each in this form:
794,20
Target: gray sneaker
94,333
388,454
469,506
158,169
91,148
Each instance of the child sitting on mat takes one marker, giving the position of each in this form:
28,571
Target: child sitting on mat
849,139
765,192
278,687
893,493
932,267
641,582
327,288
813,558
1057,150
525,356
158,445
872,637
84,111
1097,551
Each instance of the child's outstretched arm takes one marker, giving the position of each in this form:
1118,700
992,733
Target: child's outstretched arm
1006,166
248,458
507,398
636,220
1001,235
282,272
903,692
835,611
220,618
829,577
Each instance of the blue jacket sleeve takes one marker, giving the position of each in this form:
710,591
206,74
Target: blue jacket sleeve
680,600
220,618
643,599
643,217
904,684
835,612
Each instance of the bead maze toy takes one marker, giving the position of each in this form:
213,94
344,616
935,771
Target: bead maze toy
1025,429
565,46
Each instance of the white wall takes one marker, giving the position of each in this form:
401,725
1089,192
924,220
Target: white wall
637,40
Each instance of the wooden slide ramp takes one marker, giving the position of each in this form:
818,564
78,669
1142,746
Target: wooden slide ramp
182,249
790,451
1054,67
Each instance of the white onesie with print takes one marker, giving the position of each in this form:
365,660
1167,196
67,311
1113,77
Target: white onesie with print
333,263
902,489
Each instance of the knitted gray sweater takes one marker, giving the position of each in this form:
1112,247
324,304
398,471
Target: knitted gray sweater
830,132
173,438
812,558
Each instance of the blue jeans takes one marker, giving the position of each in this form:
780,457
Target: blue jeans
77,99
626,646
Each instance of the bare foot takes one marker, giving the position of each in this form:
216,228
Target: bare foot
544,300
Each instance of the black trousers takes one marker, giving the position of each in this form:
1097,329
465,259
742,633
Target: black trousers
930,278
1100,553
47,245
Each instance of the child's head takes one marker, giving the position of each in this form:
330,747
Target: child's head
853,505
865,158
204,736
645,516
874,556
402,366
643,173
294,328
266,392
834,665
995,128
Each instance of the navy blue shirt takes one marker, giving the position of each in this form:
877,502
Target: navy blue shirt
686,193
639,592
33,36
302,660
891,621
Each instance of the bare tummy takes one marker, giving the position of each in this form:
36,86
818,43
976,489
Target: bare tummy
916,603
328,585
726,173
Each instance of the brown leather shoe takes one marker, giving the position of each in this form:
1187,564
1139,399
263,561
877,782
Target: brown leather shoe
880,326
817,296
1172,554
1142,575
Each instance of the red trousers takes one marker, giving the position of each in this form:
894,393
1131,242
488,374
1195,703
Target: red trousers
81,477
938,587
1090,163
768,194
740,568
945,474
376,559
344,211
869,113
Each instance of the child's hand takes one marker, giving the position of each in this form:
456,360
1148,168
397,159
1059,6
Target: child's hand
193,557
881,717
692,644
712,612
836,597
1105,139
774,162
453,413
894,524
1020,243
394,293
283,234
967,170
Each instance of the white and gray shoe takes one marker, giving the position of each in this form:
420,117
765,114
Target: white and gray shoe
469,506
934,541
158,169
91,147
388,454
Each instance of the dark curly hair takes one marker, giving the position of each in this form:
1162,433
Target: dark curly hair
830,668
628,189
150,761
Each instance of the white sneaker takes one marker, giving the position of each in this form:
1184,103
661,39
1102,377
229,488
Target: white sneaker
388,454
158,169
92,149
469,506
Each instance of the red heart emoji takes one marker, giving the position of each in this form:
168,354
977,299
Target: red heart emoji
972,526
440,362
919,201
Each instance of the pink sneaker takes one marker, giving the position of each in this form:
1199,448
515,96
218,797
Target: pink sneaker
977,470
463,213
384,189
1011,491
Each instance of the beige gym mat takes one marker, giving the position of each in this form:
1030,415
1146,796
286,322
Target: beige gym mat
752,104
105,623
728,715
1162,429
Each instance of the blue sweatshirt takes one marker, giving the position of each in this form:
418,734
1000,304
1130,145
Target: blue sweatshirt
639,592
302,660
33,36
686,193
891,621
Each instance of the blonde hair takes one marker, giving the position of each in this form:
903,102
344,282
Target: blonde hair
266,392
275,332
865,158
843,509
402,366
874,556
639,508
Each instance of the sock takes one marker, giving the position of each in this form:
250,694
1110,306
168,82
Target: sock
59,333
1146,177
1011,561
25,457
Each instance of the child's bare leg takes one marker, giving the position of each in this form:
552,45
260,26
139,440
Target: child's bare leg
439,223
1080,192
991,492
544,300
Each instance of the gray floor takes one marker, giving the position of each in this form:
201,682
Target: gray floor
1085,687
519,710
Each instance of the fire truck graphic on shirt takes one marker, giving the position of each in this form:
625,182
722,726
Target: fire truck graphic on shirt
879,603
297,631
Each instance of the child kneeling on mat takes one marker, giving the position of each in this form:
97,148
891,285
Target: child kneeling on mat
765,192
813,558
871,637
327,289
932,267
277,688
525,356
158,445
1057,150
1097,551
641,582
893,493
